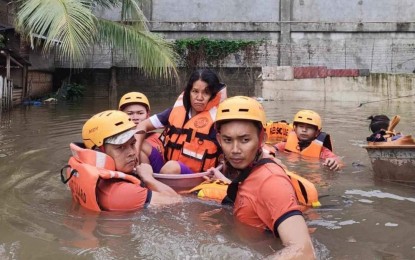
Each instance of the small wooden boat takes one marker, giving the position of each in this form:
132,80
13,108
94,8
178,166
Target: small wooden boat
393,160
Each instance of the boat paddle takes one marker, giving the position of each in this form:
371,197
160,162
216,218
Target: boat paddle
395,120
364,103
390,132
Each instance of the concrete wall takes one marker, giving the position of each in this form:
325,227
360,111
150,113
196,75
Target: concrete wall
214,11
374,87
359,34
39,83
372,34
376,35
353,10
97,82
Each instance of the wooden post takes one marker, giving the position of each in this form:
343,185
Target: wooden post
1,93
8,65
6,94
10,94
113,88
24,82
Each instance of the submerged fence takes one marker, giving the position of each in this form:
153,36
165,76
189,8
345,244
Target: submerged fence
6,93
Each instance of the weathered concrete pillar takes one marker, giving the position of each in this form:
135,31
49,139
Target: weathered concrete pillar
113,88
147,8
285,34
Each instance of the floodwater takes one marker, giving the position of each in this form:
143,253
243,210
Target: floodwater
361,218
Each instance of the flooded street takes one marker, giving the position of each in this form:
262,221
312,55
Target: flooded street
360,218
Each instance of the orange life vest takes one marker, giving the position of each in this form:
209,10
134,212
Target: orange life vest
305,190
154,139
277,131
83,171
313,150
189,142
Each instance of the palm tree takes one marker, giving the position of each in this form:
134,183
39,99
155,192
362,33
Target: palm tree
73,24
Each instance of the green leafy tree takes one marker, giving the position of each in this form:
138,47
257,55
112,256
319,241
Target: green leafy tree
74,25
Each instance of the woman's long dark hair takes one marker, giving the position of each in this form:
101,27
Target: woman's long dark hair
205,75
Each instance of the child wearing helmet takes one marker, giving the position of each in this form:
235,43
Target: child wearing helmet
105,167
137,107
189,139
261,193
307,139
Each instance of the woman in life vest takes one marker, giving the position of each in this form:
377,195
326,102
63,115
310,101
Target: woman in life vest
109,162
307,139
189,142
261,194
137,107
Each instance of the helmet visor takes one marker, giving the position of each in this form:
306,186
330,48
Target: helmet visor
121,138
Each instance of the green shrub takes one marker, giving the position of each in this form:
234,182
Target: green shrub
70,91
198,52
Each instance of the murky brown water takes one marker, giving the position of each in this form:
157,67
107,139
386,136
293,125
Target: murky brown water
360,218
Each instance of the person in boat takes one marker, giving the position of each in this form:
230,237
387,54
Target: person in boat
110,135
261,194
307,139
189,138
379,125
137,106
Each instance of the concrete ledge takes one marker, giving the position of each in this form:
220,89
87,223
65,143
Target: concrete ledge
342,73
310,72
278,73
158,26
215,26
376,86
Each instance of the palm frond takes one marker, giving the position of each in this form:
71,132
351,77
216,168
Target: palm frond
65,21
103,3
150,51
131,12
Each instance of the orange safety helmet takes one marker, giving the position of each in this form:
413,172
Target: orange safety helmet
134,97
241,107
104,125
308,117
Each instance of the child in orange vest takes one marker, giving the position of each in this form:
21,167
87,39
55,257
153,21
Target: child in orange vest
307,139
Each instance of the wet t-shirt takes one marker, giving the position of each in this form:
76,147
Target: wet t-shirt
266,197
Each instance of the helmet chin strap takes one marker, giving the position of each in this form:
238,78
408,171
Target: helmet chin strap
102,148
259,151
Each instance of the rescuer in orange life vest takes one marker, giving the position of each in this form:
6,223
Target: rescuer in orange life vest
262,194
106,169
307,139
